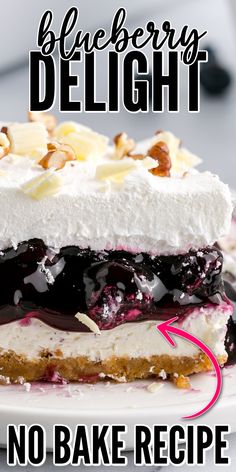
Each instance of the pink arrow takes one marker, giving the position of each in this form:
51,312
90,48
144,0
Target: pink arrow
165,329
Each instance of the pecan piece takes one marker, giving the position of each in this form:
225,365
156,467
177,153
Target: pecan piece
57,156
160,152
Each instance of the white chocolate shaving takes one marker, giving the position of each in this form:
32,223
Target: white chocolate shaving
83,318
154,387
27,138
116,171
44,185
86,143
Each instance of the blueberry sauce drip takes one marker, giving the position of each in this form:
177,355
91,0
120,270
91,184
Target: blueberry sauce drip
230,339
230,342
112,287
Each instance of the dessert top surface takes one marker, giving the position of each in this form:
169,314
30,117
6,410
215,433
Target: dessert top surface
71,188
79,177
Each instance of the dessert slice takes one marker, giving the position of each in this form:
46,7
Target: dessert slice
99,245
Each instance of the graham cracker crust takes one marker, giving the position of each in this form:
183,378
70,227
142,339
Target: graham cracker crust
81,369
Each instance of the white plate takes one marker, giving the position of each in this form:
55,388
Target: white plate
109,403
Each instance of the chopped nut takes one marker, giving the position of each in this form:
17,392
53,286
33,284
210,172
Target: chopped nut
48,120
181,158
44,185
182,382
57,156
160,152
4,129
83,318
123,145
53,146
170,140
4,145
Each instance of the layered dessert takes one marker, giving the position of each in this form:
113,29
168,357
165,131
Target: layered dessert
98,245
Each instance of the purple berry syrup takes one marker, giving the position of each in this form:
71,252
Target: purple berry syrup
230,342
112,287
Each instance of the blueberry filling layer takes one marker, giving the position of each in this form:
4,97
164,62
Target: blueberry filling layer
230,342
111,287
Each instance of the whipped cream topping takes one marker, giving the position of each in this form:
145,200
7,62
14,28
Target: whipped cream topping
144,212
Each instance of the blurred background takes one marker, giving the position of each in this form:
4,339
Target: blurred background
210,133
